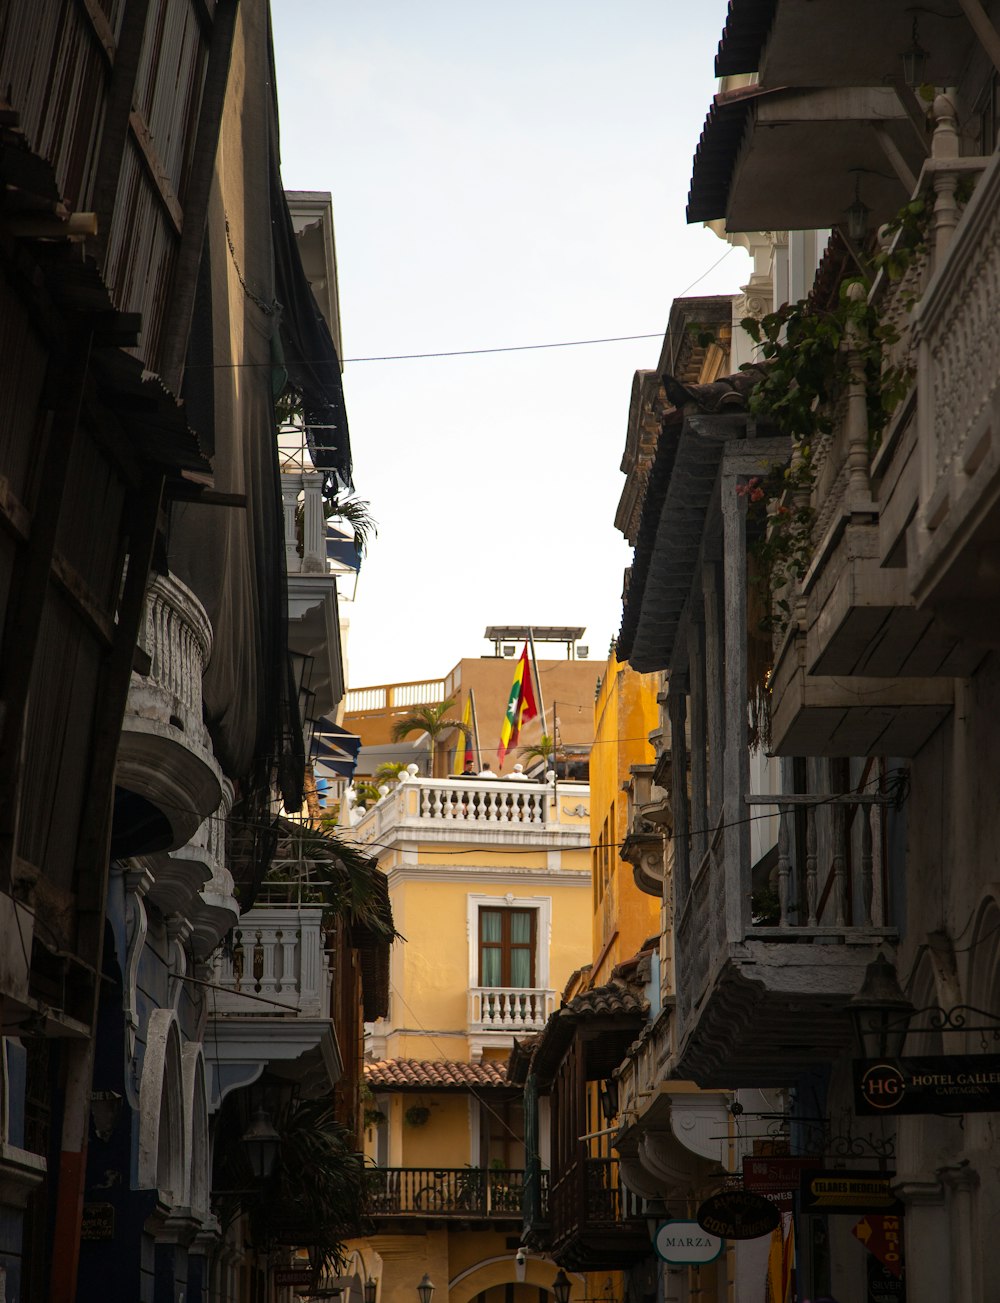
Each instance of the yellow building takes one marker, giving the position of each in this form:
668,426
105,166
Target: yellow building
489,881
625,714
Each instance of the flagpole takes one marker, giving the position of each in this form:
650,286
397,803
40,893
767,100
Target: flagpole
538,681
475,728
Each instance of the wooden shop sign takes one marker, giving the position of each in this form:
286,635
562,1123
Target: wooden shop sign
840,1191
738,1215
937,1083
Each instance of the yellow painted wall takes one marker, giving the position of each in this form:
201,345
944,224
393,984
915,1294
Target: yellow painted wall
429,1003
625,713
461,1265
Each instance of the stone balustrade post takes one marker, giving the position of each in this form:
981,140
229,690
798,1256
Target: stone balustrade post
944,146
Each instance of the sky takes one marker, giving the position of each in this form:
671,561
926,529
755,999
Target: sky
501,175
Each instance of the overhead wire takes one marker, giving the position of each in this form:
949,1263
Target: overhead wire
475,352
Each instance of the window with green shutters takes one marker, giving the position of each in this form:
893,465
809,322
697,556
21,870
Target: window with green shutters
507,947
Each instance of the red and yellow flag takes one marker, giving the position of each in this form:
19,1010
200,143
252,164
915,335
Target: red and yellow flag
520,705
464,752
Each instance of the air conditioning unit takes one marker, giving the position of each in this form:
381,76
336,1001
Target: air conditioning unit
508,649
582,651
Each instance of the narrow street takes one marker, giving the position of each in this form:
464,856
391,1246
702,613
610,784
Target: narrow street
355,946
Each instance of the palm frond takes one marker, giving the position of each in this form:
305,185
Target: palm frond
357,513
430,720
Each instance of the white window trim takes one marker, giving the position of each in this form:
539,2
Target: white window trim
543,931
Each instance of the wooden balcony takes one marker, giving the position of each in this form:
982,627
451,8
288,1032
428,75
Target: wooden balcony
850,714
956,541
763,979
596,1223
464,1194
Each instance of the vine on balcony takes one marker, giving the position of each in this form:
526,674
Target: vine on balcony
805,373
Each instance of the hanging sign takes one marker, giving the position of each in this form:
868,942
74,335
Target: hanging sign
777,1179
98,1221
883,1285
686,1243
937,1083
738,1215
293,1275
882,1236
840,1191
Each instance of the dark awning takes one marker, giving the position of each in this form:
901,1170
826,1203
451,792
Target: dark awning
335,748
801,43
309,353
839,143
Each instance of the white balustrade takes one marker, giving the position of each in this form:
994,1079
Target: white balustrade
509,1009
486,801
275,965
177,637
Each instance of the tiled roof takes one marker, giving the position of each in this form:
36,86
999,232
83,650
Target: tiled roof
715,155
747,25
621,1009
606,1001
674,510
433,1074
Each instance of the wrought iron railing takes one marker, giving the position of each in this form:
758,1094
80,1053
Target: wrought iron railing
446,1192
589,1196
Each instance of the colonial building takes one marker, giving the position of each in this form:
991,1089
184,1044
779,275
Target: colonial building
152,726
813,556
489,883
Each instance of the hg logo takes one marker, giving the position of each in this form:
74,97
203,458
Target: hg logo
883,1085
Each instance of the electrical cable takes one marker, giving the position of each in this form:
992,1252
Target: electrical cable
475,352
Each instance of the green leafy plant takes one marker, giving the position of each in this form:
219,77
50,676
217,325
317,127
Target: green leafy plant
803,375
336,874
417,1115
316,1194
432,720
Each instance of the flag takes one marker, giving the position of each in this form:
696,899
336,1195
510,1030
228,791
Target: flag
520,706
781,1261
463,751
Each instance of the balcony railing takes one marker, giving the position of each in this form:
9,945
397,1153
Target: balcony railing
460,1192
394,696
276,966
957,377
745,946
449,806
165,754
509,1009
596,1223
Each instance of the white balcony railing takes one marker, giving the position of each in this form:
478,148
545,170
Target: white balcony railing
276,966
165,753
492,805
509,1009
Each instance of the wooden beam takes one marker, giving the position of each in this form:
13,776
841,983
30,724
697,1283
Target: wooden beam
143,137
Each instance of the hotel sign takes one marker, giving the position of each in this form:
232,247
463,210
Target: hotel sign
938,1083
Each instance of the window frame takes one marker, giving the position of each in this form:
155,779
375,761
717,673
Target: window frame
506,945
542,905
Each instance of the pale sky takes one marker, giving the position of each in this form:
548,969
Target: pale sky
501,175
